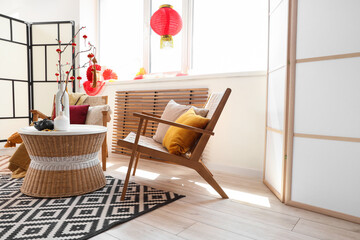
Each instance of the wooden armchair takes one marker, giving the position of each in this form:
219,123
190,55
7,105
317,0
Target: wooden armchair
141,144
92,101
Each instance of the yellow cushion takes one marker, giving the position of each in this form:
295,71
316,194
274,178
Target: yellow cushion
179,140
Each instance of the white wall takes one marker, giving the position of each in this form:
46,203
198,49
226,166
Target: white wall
41,10
238,143
88,17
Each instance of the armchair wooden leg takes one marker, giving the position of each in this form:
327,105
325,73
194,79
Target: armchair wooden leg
138,155
126,183
207,176
136,163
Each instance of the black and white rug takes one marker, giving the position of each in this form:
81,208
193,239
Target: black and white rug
81,217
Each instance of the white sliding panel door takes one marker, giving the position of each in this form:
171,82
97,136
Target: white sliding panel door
325,160
45,57
276,97
14,63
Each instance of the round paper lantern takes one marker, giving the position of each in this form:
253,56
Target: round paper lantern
166,22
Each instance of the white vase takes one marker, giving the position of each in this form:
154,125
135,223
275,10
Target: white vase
61,122
65,101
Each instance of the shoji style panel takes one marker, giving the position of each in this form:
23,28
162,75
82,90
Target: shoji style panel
276,96
45,58
324,136
14,77
331,29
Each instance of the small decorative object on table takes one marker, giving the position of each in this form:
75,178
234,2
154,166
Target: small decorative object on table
44,124
62,122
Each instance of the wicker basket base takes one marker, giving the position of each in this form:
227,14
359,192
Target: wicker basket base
54,184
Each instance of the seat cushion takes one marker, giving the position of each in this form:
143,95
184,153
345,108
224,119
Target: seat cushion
145,142
180,140
173,111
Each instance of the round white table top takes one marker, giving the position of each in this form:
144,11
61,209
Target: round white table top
75,129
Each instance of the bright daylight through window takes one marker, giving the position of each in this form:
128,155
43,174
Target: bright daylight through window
216,37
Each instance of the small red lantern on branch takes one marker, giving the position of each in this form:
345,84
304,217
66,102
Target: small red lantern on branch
166,22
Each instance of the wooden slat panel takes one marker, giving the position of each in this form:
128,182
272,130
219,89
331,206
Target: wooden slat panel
151,101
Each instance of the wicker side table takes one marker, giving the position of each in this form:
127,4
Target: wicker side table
63,163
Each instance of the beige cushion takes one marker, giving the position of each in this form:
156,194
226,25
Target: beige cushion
95,116
172,112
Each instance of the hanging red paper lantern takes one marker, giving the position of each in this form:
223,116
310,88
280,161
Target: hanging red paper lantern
167,23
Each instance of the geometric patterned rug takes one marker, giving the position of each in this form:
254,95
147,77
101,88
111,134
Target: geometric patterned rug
80,217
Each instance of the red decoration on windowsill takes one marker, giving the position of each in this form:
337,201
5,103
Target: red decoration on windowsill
88,85
166,22
109,74
181,74
93,91
90,70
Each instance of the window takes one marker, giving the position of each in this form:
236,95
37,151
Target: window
217,37
229,36
121,36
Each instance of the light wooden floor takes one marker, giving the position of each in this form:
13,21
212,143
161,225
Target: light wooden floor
252,212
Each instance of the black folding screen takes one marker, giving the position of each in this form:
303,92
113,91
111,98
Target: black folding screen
28,61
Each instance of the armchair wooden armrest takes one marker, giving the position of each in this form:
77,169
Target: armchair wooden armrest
37,114
151,118
106,118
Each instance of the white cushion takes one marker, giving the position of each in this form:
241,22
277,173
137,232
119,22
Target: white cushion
95,116
172,112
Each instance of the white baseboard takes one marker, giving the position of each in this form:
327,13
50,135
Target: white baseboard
246,172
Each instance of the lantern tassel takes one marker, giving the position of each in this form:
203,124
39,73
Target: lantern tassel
166,41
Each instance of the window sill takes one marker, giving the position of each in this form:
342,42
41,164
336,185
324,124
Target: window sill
191,77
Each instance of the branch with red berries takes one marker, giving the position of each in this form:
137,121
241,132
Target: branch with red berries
65,76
